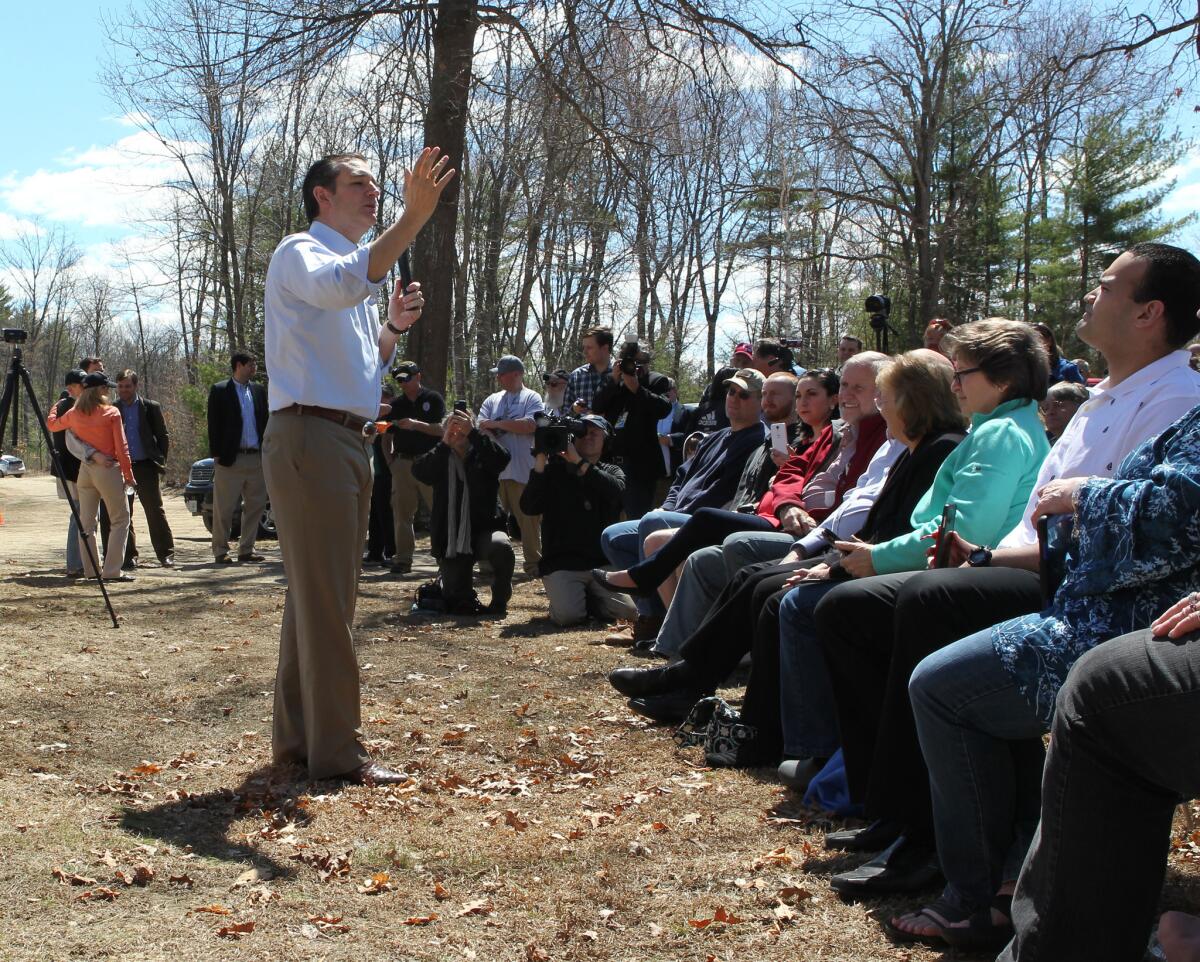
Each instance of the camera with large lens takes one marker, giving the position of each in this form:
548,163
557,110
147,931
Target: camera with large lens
879,306
631,358
552,434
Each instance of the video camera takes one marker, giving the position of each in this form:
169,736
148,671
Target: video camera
14,335
552,434
632,356
879,306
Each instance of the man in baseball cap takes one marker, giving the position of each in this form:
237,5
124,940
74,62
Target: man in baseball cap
748,380
743,355
507,416
405,371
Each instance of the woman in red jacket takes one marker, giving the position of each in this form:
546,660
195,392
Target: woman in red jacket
104,476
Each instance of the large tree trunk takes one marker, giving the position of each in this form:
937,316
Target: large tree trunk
446,127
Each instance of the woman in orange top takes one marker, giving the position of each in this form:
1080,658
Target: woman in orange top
96,422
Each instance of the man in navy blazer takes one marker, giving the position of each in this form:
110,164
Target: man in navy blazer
237,418
146,434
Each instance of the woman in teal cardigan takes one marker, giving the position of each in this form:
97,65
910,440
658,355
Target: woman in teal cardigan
999,378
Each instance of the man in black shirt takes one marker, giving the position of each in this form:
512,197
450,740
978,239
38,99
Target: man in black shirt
579,495
416,428
633,402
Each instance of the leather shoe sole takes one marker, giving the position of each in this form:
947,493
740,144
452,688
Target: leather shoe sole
670,708
901,868
873,838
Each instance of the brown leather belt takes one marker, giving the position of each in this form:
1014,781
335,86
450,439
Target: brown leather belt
364,426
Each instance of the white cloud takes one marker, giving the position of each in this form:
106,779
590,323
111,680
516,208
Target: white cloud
102,186
1184,199
11,227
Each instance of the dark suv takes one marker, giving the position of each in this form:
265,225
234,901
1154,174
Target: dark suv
198,495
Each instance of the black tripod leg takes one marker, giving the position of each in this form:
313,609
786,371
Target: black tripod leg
88,543
6,401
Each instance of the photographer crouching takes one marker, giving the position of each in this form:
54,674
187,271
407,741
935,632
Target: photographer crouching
464,472
634,400
579,495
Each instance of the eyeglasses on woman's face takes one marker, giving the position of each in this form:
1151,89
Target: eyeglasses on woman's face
960,374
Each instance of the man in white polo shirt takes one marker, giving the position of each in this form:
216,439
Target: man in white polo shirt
326,354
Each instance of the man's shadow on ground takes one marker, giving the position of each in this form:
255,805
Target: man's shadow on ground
201,822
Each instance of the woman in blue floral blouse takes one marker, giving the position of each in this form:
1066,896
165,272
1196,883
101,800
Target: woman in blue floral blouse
981,703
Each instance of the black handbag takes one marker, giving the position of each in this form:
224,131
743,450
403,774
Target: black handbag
716,725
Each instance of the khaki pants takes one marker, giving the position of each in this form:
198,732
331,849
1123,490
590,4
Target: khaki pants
241,480
318,474
94,485
530,525
406,490
573,595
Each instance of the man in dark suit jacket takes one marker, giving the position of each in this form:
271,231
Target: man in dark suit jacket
237,418
146,434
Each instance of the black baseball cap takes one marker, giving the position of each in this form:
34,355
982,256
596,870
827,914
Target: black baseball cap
74,376
97,379
405,370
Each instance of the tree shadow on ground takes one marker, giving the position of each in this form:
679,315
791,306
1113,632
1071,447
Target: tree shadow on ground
202,822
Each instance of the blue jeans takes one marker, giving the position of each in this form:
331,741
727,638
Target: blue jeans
982,742
1125,750
806,703
622,545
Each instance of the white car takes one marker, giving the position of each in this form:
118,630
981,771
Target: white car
11,466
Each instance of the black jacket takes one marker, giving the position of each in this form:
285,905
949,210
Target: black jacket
484,462
225,419
152,431
70,463
636,440
575,511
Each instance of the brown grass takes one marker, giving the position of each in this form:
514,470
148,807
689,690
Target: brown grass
546,822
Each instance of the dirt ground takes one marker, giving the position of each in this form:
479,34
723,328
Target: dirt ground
139,819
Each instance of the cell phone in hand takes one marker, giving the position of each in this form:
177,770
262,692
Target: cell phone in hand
460,406
941,557
779,439
405,270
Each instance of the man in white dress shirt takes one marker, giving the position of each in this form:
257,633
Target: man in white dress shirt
326,354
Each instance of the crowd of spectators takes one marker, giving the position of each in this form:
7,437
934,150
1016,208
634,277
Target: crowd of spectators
905,657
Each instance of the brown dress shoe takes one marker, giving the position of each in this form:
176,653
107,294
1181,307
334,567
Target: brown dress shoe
621,636
372,774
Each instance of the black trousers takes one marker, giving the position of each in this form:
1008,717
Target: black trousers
1124,751
638,497
381,531
745,617
706,527
873,633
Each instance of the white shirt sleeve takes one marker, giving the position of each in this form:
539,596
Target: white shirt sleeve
332,282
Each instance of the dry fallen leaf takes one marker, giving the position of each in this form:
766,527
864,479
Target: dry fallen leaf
183,880
326,923
72,879
236,931
793,894
720,915
421,919
214,909
440,892
378,883
478,907
777,856
534,954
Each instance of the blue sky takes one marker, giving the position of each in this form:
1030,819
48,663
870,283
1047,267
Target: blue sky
72,160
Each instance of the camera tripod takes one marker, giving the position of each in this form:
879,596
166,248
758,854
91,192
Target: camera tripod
8,405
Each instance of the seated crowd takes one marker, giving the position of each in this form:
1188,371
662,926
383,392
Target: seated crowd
906,658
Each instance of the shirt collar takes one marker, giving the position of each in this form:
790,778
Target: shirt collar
1145,376
1001,410
338,243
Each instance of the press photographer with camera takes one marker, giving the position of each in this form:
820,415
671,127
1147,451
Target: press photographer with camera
633,400
463,469
578,494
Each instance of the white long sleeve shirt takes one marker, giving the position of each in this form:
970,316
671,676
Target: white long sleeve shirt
322,324
856,504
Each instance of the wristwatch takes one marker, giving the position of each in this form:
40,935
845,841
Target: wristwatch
980,558
392,327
